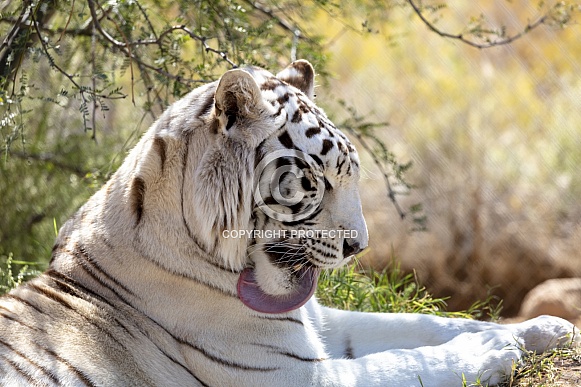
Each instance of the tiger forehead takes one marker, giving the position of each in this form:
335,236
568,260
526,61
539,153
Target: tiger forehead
307,127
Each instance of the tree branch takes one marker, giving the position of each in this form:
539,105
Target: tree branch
390,191
49,158
282,23
461,37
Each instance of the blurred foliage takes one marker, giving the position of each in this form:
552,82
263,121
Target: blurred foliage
494,135
81,80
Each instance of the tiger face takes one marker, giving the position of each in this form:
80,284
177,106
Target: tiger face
306,213
263,184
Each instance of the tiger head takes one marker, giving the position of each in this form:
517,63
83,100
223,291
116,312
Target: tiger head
248,174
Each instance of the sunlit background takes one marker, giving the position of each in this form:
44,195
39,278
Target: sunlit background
495,140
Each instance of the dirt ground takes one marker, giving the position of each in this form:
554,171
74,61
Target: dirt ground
565,372
570,375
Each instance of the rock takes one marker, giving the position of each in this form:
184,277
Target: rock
557,297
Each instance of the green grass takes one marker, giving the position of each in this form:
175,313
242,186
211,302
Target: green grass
391,290
14,272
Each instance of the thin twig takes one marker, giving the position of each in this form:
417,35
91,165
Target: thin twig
50,58
60,30
97,24
463,39
390,192
281,22
94,82
191,34
82,89
49,158
68,21
125,47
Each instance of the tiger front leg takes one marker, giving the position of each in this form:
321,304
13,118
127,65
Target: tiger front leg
482,357
356,334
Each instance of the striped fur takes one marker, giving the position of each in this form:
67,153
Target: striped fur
142,285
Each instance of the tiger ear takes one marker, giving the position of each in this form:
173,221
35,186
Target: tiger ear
301,75
237,97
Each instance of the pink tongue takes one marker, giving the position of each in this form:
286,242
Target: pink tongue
253,297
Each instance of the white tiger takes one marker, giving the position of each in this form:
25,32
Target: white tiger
191,268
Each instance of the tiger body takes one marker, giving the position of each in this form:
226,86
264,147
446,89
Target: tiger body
145,288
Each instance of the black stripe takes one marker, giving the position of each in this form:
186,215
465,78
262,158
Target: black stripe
89,258
270,84
284,319
283,99
25,302
55,248
78,373
340,165
306,184
137,196
96,271
312,131
185,221
50,294
207,105
349,349
196,280
22,372
328,185
56,296
310,217
283,162
160,147
85,265
297,117
278,112
48,373
286,140
73,288
280,351
171,357
327,146
317,159
64,280
12,318
228,363
296,208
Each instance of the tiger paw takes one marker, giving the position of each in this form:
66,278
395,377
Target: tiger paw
487,357
546,332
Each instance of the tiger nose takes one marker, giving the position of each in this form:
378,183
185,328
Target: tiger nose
351,248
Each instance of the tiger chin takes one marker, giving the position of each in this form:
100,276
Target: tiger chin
196,263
